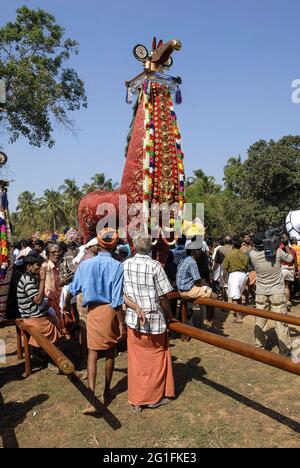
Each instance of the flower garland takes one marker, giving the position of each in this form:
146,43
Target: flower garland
4,246
180,156
149,155
149,151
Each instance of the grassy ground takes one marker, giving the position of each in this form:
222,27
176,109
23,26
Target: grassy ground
223,400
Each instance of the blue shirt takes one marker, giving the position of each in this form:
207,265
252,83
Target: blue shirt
100,279
187,274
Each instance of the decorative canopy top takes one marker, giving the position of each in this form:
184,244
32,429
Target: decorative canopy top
159,59
155,64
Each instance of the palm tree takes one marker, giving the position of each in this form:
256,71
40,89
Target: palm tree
52,205
72,196
207,184
27,208
99,182
87,188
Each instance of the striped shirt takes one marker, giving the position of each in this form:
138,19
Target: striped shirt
145,281
27,289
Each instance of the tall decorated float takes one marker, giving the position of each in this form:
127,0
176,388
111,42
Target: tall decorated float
154,171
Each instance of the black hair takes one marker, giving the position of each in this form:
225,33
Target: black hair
23,243
39,242
236,241
181,240
31,259
227,240
63,246
17,245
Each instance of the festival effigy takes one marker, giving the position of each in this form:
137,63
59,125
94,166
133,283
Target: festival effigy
154,168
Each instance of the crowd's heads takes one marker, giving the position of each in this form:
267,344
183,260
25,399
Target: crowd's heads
25,243
63,246
33,263
221,241
107,238
228,240
92,245
258,240
285,239
294,241
194,247
142,245
246,237
236,242
39,245
53,252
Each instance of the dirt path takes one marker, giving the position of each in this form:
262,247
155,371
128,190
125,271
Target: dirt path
223,400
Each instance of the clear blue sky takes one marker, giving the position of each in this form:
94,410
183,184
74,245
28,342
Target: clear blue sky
238,60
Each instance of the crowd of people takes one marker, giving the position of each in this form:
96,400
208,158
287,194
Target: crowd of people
109,289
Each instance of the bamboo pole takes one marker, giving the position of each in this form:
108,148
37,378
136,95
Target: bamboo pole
285,318
19,343
237,347
26,337
62,362
183,308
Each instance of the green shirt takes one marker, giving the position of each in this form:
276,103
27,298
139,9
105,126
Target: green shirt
236,260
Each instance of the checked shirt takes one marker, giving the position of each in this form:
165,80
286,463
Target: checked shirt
145,281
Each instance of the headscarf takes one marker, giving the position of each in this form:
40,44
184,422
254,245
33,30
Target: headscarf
107,238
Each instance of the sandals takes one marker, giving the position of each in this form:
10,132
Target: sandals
136,410
164,401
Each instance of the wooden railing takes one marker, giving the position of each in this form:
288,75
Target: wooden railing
62,362
186,331
285,318
235,346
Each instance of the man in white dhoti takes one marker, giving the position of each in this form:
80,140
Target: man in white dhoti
236,263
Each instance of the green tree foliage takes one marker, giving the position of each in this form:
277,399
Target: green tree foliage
56,209
41,89
99,182
258,192
72,196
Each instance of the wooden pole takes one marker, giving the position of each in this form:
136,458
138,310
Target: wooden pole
62,362
285,318
19,343
27,353
183,308
237,347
